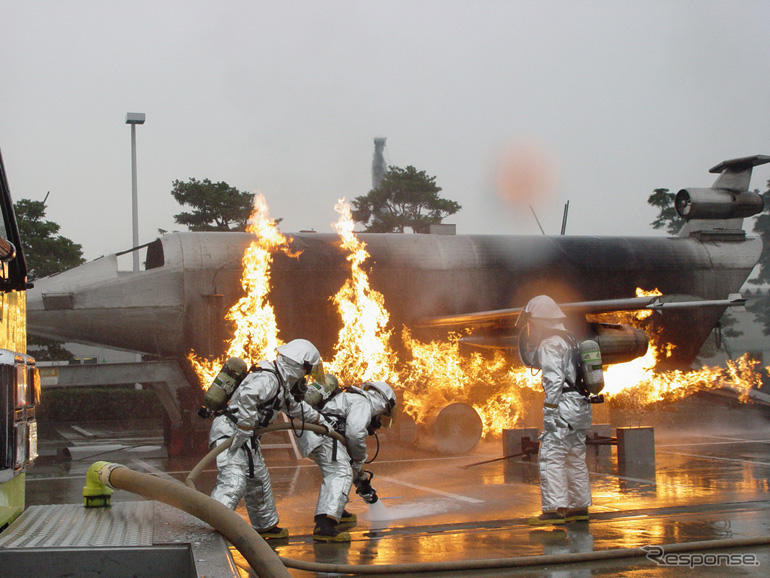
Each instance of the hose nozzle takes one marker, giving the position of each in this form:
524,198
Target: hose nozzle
364,487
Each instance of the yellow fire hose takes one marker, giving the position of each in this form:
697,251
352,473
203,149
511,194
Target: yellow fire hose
102,476
227,522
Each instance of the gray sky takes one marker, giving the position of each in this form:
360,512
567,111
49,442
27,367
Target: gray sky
286,98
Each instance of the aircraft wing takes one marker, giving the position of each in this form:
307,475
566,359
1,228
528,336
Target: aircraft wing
501,317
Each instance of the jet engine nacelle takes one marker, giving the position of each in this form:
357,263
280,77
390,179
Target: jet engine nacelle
717,204
618,343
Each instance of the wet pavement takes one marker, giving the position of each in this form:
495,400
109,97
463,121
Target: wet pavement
703,486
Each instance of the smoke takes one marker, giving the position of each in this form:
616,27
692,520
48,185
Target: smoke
525,174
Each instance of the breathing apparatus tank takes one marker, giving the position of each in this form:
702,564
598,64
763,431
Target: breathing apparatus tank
318,392
590,365
227,380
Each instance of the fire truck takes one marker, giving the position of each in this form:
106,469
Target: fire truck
19,379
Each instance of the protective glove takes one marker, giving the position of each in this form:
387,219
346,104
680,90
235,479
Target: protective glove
239,438
324,422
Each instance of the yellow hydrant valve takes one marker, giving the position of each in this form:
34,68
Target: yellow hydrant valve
95,493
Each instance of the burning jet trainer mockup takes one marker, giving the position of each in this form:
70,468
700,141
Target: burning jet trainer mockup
177,303
430,284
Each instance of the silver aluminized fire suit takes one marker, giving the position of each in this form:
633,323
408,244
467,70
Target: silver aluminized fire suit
566,418
355,409
242,469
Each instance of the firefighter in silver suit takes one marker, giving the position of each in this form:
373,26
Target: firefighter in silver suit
356,413
270,387
564,485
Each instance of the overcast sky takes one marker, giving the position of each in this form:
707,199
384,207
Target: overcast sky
286,97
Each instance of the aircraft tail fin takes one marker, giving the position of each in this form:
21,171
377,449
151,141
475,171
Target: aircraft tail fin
736,173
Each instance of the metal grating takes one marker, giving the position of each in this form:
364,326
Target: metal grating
72,525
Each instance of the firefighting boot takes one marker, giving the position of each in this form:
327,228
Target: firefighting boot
548,518
326,530
577,515
347,520
274,533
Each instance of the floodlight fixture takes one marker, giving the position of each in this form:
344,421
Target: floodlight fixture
134,118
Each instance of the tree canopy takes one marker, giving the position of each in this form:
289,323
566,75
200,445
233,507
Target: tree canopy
670,219
667,217
215,206
45,250
761,304
404,198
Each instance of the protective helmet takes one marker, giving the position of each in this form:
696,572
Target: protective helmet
319,391
382,397
545,308
541,316
304,354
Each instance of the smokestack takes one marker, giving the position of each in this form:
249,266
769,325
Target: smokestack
378,162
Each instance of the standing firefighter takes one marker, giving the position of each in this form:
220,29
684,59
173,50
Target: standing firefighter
269,387
564,485
356,413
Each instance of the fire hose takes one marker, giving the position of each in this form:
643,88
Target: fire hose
266,562
209,457
102,477
524,561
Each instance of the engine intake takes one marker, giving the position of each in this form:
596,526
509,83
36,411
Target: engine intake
717,204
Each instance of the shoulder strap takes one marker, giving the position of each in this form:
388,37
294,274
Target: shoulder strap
273,400
571,341
328,399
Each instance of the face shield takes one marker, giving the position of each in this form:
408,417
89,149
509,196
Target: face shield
316,373
384,418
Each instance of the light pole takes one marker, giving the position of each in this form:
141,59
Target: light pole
134,118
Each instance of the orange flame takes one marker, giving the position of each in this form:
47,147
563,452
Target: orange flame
638,383
363,350
256,331
645,313
436,373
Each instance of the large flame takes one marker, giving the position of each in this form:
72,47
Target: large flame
638,383
437,374
363,350
433,374
255,335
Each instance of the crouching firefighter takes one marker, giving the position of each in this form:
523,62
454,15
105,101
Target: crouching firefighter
545,344
355,413
256,396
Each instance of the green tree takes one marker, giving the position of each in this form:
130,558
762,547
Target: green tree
667,217
404,198
46,252
670,219
761,303
215,206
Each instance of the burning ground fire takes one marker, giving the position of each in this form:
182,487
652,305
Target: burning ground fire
434,374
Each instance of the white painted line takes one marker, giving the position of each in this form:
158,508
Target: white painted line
719,459
83,431
713,443
723,437
638,480
55,478
433,490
